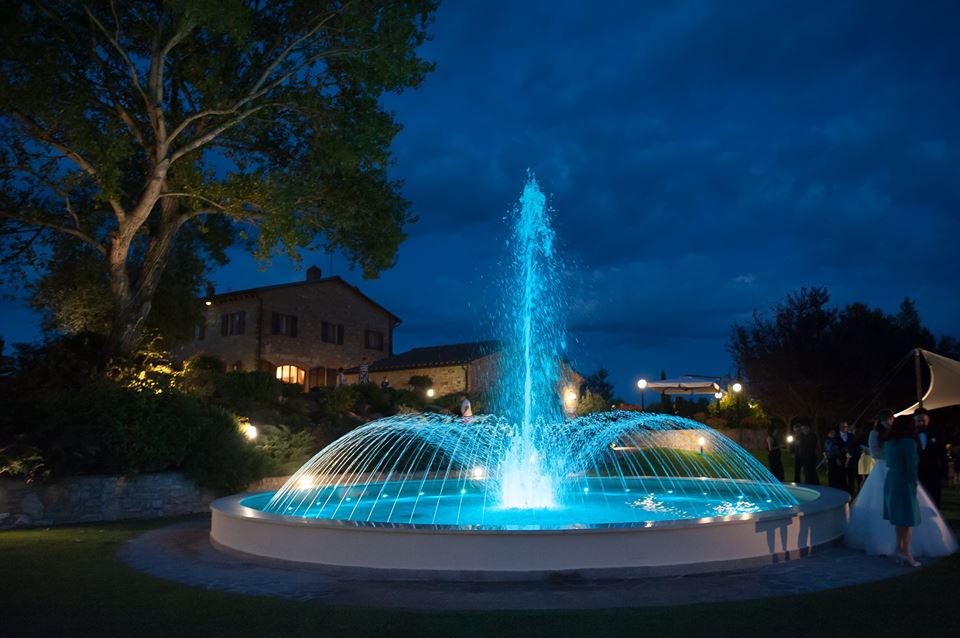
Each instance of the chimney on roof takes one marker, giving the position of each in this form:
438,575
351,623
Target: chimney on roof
314,274
211,291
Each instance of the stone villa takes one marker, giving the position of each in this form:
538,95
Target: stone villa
304,331
301,331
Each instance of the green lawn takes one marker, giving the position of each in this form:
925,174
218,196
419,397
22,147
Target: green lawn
69,582
788,464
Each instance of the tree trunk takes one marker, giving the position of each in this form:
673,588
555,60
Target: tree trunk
132,305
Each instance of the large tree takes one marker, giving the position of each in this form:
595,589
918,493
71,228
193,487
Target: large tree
810,360
122,123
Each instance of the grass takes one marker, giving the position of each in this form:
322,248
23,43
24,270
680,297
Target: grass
69,582
788,465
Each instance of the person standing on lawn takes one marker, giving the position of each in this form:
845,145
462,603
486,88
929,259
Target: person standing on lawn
900,505
933,455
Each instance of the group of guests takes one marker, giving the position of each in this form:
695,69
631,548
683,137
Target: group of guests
849,455
895,467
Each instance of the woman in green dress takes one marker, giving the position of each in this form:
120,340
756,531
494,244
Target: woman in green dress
900,487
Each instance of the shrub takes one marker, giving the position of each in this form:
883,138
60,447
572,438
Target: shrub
286,450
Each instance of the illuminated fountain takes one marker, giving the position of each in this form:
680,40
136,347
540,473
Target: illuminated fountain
528,490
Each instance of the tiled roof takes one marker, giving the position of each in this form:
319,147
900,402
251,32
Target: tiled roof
436,356
310,282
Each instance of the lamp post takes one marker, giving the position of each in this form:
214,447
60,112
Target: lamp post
642,384
718,395
737,388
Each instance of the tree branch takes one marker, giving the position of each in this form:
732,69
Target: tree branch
212,134
60,228
115,41
260,87
195,196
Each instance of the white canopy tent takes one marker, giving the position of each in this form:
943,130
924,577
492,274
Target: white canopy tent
944,387
684,385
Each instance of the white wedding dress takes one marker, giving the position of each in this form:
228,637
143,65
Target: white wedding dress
869,531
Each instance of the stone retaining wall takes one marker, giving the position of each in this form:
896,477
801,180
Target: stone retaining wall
88,499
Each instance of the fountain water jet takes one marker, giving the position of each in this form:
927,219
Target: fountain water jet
530,364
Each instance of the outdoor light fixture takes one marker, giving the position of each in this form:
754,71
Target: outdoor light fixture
789,438
642,384
430,392
478,473
208,302
701,441
718,395
736,387
249,431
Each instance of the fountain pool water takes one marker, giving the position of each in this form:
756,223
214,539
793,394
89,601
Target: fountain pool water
529,490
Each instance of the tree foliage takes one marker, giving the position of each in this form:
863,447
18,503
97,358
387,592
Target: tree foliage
811,360
129,128
598,384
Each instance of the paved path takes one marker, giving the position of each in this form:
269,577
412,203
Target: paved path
183,553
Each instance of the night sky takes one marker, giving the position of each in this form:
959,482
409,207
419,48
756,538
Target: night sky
704,159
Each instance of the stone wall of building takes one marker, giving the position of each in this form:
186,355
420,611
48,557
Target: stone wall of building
89,499
329,300
446,379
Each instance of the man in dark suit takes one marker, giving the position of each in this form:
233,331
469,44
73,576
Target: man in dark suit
933,455
797,437
851,450
810,454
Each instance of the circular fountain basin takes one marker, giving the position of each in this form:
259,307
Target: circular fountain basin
699,525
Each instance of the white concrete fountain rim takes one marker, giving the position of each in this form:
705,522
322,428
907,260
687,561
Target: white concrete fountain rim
667,548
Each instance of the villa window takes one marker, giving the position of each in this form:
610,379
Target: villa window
233,323
284,324
373,340
200,331
290,374
331,333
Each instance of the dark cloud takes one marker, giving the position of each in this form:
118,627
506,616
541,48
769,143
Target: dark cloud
703,158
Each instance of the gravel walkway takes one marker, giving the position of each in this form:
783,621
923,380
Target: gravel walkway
183,553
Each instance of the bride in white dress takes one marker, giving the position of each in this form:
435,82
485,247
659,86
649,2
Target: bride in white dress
870,532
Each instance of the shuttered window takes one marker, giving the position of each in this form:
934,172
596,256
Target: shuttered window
282,324
233,323
331,332
373,340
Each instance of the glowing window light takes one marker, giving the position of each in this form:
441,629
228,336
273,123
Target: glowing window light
290,374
